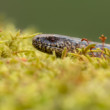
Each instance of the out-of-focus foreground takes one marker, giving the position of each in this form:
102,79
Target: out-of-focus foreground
31,80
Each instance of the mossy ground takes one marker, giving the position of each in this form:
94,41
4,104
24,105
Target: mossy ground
32,80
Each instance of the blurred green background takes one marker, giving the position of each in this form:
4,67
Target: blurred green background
79,18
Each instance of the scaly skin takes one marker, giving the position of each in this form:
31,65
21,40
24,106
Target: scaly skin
48,43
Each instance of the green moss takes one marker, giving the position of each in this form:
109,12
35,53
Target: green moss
32,80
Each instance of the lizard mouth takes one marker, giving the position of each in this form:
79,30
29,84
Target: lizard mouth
48,48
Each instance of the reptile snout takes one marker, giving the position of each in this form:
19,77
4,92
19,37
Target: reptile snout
36,42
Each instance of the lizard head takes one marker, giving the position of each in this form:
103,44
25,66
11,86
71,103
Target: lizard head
52,42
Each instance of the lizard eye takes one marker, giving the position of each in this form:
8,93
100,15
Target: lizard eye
52,39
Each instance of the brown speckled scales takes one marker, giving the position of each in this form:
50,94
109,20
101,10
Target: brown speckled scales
48,43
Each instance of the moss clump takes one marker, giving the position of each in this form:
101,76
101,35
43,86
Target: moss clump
31,80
